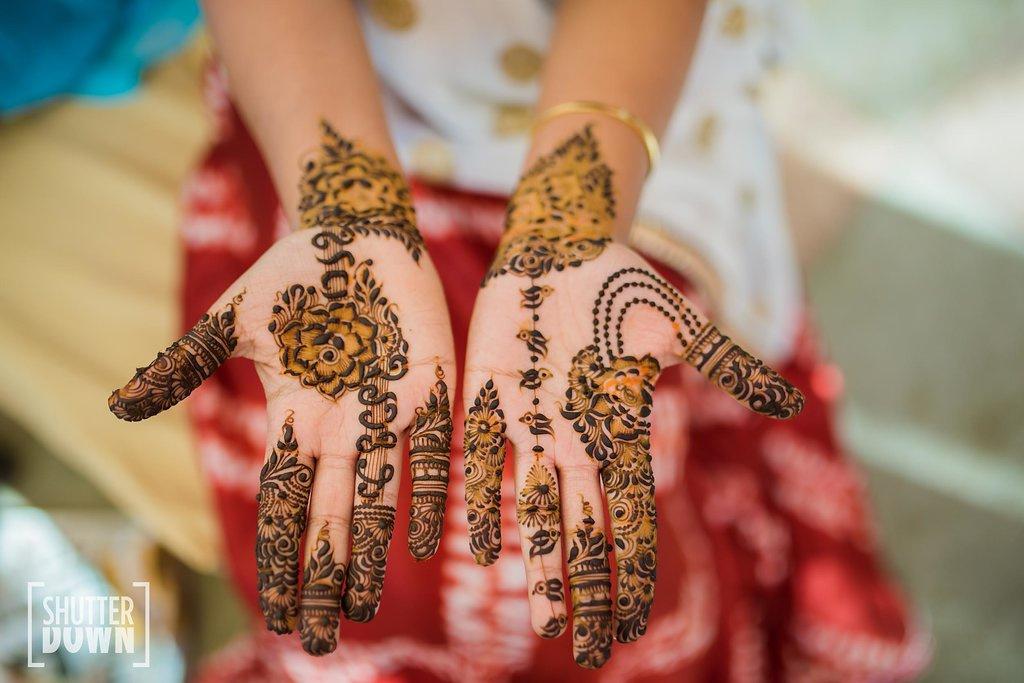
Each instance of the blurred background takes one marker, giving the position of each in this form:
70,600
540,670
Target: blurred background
899,127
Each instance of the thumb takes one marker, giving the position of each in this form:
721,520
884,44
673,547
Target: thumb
694,339
181,367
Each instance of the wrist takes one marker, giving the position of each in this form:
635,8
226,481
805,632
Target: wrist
619,148
355,192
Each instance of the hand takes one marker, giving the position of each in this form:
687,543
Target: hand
569,334
348,327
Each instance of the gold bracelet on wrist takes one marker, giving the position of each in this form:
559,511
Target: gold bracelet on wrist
635,123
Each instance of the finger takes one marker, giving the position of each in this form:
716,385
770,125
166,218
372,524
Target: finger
538,512
327,552
429,460
285,481
742,376
180,368
609,408
373,515
725,363
589,573
629,489
484,451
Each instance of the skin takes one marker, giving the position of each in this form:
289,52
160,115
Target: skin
329,485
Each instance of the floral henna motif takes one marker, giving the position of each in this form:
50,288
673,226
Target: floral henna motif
180,368
629,487
553,627
590,587
609,405
484,450
727,365
356,194
284,493
429,455
372,527
560,214
321,597
537,510
608,402
337,343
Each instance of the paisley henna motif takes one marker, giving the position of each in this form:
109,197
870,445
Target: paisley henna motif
284,493
180,368
484,450
321,597
560,214
429,455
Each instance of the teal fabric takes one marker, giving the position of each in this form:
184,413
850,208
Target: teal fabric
91,48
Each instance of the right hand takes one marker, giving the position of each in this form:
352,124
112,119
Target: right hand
350,335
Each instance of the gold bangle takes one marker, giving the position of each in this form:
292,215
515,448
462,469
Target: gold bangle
647,136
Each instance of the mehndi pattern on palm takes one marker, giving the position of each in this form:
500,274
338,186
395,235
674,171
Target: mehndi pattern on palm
330,329
560,219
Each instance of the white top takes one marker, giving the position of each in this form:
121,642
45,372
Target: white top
461,82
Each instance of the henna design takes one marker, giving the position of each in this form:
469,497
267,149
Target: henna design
550,588
429,455
484,450
356,194
560,214
608,408
539,423
745,378
590,587
716,356
180,368
372,527
629,487
536,343
284,494
609,401
534,377
372,521
336,345
537,509
554,627
534,295
344,336
321,597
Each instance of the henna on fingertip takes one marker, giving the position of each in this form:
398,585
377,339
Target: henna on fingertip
429,461
180,368
484,452
283,497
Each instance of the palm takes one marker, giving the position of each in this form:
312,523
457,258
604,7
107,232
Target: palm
569,334
313,353
350,335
